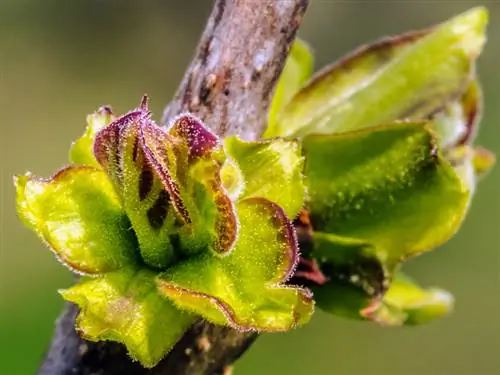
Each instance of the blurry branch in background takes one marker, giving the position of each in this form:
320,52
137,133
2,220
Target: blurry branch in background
229,85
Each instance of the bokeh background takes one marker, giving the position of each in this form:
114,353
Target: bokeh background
60,60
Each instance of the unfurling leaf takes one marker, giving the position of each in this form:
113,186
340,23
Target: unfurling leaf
67,212
279,161
120,150
124,306
387,186
245,287
149,215
411,76
298,69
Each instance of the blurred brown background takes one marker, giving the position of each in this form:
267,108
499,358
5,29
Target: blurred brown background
60,60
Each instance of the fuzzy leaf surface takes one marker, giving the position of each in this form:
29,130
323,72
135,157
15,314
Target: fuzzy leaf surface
125,306
245,288
298,69
387,186
68,211
270,169
410,76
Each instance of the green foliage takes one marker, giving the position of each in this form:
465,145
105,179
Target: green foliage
278,160
405,76
125,306
381,185
373,157
150,219
67,211
382,190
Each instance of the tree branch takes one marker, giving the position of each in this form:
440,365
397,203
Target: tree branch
228,85
239,59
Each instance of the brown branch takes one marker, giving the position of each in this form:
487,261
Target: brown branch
240,56
228,84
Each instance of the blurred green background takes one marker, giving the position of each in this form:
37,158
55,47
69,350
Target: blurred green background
60,60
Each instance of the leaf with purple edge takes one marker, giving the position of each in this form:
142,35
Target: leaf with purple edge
359,288
168,159
245,288
144,197
200,141
211,209
68,211
125,306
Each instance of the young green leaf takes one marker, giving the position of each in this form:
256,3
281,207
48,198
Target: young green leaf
124,306
244,289
387,186
409,76
270,169
298,69
68,211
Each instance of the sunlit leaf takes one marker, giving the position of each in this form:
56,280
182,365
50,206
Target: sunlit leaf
68,212
125,306
387,186
413,75
270,169
244,289
296,72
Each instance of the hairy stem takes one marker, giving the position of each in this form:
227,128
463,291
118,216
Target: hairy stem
228,84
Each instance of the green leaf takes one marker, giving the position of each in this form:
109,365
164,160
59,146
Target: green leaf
81,151
407,303
270,169
408,76
298,69
245,288
386,186
125,306
77,213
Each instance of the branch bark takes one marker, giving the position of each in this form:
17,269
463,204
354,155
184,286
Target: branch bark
228,85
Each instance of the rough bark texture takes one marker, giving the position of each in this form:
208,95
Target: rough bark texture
229,85
240,56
